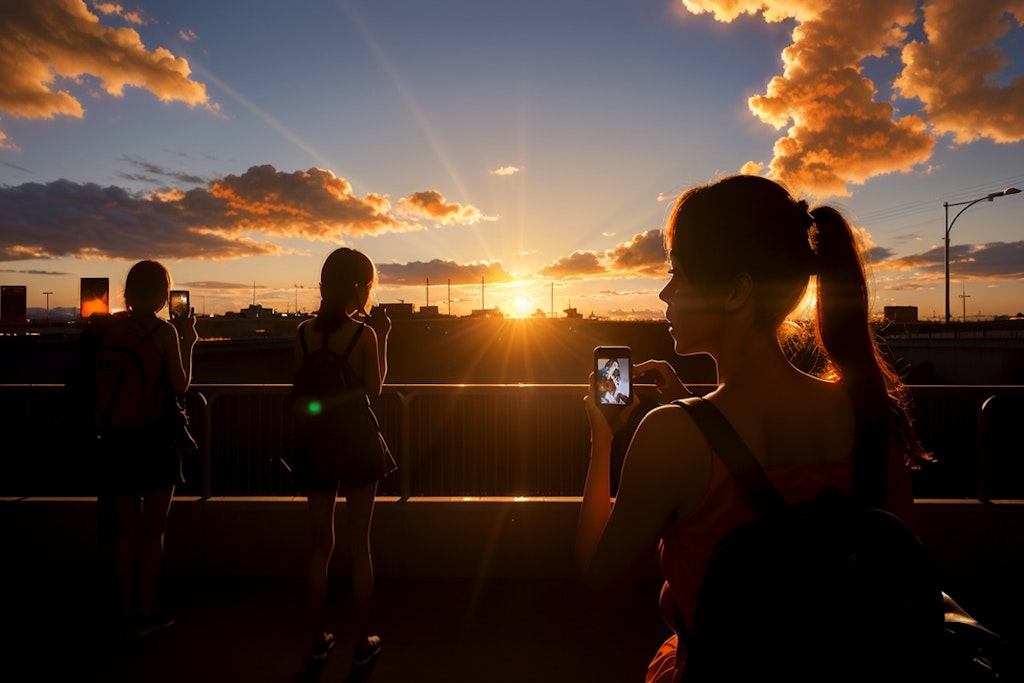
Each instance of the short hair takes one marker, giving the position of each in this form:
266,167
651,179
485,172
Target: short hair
147,286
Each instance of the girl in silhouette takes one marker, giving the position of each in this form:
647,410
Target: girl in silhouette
346,280
742,253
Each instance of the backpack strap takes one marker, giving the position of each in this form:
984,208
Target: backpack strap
742,465
734,453
352,344
323,342
109,412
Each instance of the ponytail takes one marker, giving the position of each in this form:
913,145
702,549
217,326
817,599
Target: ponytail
331,314
843,330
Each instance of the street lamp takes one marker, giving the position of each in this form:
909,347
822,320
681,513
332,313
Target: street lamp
949,224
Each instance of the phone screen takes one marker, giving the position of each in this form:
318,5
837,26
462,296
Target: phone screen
612,373
179,303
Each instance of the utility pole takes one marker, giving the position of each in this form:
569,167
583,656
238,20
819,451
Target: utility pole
964,296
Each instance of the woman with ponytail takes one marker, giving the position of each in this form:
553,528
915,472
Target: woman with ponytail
743,252
344,324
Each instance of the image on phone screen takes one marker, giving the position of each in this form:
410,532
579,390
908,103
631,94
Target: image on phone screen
179,303
612,374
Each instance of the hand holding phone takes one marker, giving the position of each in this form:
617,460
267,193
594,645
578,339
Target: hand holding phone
613,376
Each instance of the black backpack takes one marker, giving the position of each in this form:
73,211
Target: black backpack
117,380
337,433
824,590
130,386
325,387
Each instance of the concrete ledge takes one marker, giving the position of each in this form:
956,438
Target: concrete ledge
427,537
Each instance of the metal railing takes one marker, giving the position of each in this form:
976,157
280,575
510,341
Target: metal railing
467,441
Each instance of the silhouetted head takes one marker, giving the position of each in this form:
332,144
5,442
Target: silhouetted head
745,224
147,287
346,280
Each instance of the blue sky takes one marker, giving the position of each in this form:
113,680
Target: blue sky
534,145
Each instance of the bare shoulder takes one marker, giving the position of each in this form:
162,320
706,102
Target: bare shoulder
669,453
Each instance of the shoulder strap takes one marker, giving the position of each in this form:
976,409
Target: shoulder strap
735,454
119,384
352,343
323,342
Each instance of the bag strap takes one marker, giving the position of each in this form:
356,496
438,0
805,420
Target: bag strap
352,344
734,453
323,342
108,414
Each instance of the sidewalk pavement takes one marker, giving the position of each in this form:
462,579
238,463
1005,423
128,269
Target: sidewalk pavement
252,629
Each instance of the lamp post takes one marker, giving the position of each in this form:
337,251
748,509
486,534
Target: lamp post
949,225
47,306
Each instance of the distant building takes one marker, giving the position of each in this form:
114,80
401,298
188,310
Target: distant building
486,313
900,314
398,310
572,313
253,312
428,312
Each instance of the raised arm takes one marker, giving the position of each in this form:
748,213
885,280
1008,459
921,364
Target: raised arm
178,339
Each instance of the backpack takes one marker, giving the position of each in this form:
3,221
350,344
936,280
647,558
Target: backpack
325,384
130,387
828,589
337,433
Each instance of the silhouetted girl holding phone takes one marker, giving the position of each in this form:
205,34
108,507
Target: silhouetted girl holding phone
742,253
140,458
343,324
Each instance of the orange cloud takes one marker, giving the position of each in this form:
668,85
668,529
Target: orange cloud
837,133
955,73
577,265
134,17
46,39
234,216
313,204
432,205
505,170
641,256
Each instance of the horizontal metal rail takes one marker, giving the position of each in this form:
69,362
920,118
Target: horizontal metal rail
467,441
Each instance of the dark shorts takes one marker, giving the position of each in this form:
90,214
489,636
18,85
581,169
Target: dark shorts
136,463
323,468
328,479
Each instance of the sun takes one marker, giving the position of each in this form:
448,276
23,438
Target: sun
522,307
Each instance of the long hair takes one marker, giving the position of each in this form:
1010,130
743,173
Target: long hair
344,273
749,224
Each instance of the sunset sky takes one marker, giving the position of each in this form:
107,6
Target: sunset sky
536,144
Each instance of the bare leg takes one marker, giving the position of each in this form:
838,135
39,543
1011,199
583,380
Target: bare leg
126,542
321,526
360,513
156,505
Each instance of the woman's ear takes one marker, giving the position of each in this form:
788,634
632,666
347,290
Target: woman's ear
739,292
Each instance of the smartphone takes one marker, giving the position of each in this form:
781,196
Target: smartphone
179,303
613,370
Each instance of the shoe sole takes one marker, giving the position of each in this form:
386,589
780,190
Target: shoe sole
321,656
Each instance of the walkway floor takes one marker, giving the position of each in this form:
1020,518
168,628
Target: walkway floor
62,626
252,630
